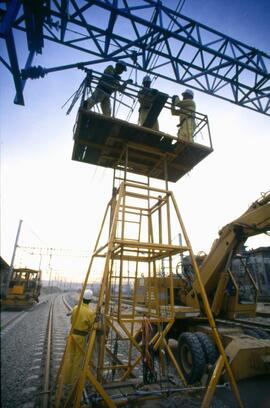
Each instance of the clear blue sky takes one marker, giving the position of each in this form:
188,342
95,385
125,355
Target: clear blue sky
62,201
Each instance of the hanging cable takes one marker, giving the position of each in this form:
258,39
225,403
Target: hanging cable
154,62
122,94
178,9
149,373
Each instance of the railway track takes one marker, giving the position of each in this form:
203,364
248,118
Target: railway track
245,324
13,319
263,314
51,345
236,322
50,348
68,306
48,357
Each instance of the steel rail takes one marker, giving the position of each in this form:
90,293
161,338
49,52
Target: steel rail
236,322
245,323
156,393
46,382
263,314
68,306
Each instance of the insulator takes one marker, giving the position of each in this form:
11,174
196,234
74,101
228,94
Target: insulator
33,72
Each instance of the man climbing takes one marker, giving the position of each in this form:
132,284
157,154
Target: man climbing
81,326
108,83
186,113
146,98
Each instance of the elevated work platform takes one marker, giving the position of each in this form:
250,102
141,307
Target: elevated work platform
102,140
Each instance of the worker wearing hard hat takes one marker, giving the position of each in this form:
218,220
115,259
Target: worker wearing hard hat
146,97
82,322
108,83
186,113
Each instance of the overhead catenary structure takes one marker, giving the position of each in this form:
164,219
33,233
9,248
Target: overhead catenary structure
161,41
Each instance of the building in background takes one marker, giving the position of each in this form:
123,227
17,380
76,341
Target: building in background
257,262
4,271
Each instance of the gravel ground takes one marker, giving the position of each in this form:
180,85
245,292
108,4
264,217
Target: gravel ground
21,346
255,392
8,315
22,351
21,366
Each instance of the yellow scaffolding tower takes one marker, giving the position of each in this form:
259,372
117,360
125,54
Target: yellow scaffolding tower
134,241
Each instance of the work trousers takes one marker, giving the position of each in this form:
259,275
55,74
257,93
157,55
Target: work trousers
74,359
186,129
143,115
99,96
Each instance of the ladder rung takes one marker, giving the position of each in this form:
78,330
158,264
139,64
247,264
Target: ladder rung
130,222
132,181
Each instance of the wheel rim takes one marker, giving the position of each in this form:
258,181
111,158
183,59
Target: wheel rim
186,358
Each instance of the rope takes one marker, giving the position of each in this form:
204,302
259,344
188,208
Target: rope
149,374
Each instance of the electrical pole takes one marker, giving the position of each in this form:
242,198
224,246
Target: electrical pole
50,269
13,257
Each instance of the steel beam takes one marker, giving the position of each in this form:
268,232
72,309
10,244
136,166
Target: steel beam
14,67
9,17
167,44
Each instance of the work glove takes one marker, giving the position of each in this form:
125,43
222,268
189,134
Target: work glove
123,86
174,99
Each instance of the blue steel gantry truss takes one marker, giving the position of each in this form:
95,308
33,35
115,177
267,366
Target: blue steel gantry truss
146,34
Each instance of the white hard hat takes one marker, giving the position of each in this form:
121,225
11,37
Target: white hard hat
188,92
146,79
88,294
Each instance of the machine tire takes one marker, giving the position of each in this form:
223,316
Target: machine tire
208,346
191,357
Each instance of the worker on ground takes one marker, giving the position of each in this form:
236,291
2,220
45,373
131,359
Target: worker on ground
146,97
108,83
81,326
186,112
